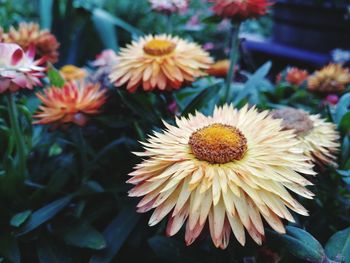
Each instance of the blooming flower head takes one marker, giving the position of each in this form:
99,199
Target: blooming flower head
232,169
159,62
169,6
332,99
318,138
69,104
240,9
296,76
29,34
331,79
219,68
107,58
72,73
18,70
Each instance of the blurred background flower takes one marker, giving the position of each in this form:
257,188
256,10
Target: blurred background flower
29,34
19,70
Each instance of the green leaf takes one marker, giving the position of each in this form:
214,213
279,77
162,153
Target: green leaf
345,123
55,149
55,77
338,246
84,236
46,13
198,97
106,30
254,84
9,248
342,108
301,244
212,19
18,219
91,187
102,14
44,214
50,251
345,150
116,233
172,250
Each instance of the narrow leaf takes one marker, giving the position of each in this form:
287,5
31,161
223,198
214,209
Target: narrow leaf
18,219
44,214
116,234
338,246
85,236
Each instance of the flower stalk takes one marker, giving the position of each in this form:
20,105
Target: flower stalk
19,139
234,55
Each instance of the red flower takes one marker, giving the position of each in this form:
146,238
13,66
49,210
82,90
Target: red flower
240,9
296,76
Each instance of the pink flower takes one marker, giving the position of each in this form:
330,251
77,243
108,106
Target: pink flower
332,99
18,70
169,6
107,58
208,46
194,21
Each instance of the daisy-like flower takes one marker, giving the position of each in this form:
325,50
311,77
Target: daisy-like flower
18,70
318,138
169,6
160,62
296,76
240,9
29,34
219,68
232,169
73,73
331,79
70,104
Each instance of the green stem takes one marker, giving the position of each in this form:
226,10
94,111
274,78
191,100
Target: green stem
169,24
234,55
19,139
81,144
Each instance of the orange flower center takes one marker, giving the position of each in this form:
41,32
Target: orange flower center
159,47
218,144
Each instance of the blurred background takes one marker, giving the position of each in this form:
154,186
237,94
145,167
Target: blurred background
304,33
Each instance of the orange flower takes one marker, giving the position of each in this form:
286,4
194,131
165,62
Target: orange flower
71,73
159,62
219,68
296,76
330,79
240,9
70,104
30,34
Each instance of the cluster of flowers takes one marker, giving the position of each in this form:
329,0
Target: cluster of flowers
231,169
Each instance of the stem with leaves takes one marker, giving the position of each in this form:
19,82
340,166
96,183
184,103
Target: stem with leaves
19,139
234,55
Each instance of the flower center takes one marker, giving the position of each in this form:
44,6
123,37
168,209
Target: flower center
159,47
294,119
218,143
